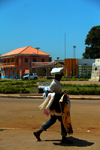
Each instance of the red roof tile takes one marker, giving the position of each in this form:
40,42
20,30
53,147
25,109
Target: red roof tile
25,50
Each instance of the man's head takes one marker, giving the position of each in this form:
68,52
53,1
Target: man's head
58,72
58,76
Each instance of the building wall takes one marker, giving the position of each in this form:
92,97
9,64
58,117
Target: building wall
85,67
43,71
17,66
78,67
9,67
87,62
71,67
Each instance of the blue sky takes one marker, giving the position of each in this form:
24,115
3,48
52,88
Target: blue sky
44,23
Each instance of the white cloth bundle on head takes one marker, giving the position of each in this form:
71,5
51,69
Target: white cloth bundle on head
57,70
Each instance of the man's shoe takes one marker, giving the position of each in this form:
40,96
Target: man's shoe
66,141
37,136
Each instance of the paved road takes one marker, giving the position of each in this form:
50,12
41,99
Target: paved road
22,117
85,114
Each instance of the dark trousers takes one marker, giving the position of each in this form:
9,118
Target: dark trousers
51,121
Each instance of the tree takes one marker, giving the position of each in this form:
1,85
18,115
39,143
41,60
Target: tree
92,41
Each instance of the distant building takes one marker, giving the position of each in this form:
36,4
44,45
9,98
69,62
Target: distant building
19,61
78,67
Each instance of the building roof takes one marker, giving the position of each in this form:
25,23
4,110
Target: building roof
28,50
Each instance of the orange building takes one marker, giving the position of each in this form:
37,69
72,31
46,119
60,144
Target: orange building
71,67
17,62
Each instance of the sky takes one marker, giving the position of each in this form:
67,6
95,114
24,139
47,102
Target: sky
55,26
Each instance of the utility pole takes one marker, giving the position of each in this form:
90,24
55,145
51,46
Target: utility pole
57,61
74,51
73,58
37,59
65,45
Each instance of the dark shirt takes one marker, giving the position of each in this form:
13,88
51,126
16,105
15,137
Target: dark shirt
55,105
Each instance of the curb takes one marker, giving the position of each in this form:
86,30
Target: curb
41,97
81,98
31,97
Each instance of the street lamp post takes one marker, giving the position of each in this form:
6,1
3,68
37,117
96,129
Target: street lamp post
37,58
74,51
57,61
73,57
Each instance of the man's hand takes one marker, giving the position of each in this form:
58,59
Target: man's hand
65,91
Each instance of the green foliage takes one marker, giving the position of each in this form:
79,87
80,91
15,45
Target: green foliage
13,86
43,80
30,86
92,41
86,89
33,90
8,89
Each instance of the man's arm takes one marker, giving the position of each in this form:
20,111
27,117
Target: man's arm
52,87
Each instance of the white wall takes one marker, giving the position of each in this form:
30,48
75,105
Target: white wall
88,62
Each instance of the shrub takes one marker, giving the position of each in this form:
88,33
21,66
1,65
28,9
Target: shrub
29,86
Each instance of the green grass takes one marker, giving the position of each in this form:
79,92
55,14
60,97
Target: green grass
30,86
18,86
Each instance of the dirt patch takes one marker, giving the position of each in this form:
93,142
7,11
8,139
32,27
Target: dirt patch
81,82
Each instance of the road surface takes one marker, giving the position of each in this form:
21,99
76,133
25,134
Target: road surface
25,113
20,117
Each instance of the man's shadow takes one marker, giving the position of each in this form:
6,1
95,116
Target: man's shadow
76,142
